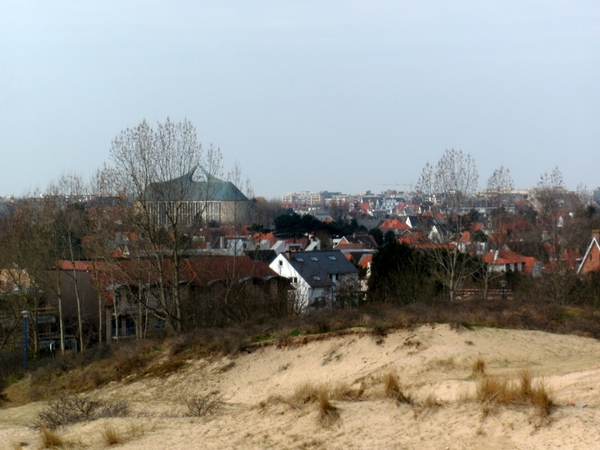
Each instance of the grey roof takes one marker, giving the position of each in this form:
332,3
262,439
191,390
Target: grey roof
185,188
369,223
266,256
316,267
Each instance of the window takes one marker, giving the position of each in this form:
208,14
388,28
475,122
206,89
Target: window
314,258
294,279
332,258
281,263
317,278
299,259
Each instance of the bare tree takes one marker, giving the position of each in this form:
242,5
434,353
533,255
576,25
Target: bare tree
153,170
550,194
70,193
450,184
499,184
565,228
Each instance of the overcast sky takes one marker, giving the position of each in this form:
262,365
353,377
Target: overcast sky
305,95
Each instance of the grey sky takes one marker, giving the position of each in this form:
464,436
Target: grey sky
306,95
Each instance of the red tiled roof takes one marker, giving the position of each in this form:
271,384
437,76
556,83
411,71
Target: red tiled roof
394,224
200,271
504,257
431,245
413,238
79,265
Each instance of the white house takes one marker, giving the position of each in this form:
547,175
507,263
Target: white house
319,277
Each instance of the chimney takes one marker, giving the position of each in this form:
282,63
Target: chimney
596,235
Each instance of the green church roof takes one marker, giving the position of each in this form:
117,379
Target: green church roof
184,188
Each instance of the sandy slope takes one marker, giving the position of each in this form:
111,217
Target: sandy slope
431,361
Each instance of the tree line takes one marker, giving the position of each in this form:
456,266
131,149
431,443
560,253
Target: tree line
135,217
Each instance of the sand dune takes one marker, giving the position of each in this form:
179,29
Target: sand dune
432,362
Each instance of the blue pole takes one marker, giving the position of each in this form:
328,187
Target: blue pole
25,341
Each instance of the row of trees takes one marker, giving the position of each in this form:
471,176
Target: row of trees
403,275
551,224
154,196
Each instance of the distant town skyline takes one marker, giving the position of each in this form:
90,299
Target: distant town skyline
305,95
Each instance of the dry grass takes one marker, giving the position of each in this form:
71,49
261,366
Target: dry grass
306,392
478,366
344,392
427,404
111,435
496,390
136,429
327,412
430,402
53,439
393,390
321,395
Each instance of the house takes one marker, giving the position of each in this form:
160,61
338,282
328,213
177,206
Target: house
216,290
469,243
396,226
591,259
319,277
533,267
364,208
355,248
356,242
123,298
414,239
408,209
503,261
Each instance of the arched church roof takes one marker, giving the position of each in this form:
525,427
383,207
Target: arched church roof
185,188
